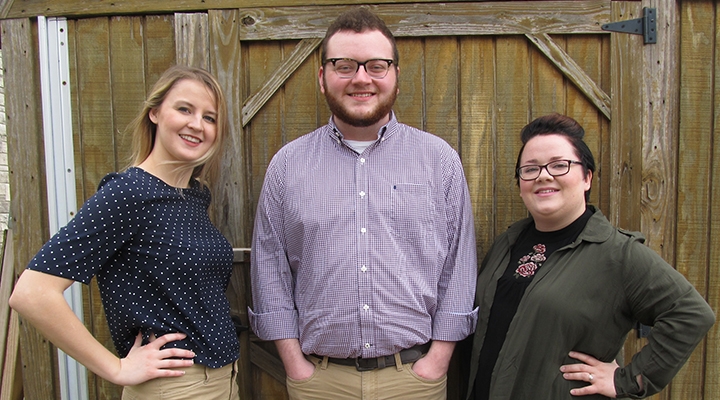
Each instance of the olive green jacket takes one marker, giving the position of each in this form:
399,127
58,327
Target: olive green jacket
587,297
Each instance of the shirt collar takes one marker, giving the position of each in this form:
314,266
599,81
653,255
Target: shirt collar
384,133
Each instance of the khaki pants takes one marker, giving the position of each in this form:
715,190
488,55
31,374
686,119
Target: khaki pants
198,383
340,382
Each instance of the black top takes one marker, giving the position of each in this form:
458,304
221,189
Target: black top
161,265
531,250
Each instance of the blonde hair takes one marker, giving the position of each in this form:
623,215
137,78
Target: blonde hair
142,130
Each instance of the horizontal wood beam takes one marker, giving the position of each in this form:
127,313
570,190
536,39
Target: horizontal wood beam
82,8
290,19
434,19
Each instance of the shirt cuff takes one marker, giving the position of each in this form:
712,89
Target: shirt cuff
626,385
274,325
454,327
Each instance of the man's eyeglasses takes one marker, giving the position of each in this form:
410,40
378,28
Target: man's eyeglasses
554,168
346,68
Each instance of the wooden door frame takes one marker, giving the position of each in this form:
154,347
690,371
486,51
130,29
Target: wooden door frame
638,80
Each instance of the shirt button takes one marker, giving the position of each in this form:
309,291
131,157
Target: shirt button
362,160
363,230
362,194
363,268
367,345
366,307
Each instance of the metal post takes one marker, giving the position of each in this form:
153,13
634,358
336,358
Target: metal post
60,170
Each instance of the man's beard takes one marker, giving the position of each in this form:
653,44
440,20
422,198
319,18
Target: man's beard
340,112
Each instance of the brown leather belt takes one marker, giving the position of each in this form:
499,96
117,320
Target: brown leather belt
368,364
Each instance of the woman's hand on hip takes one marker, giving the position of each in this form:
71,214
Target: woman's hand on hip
599,375
151,361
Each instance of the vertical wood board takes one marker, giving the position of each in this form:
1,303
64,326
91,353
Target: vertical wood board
191,39
409,106
265,130
547,86
127,77
512,84
442,88
28,207
695,152
159,47
231,211
477,135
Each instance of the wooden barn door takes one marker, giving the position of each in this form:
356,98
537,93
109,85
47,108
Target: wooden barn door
471,73
474,74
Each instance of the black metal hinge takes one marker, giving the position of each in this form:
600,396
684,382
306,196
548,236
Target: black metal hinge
646,26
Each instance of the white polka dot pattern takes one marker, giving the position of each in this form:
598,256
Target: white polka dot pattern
161,265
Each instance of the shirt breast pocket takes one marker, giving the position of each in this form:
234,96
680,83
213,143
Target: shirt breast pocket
411,211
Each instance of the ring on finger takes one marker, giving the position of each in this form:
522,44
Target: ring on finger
590,377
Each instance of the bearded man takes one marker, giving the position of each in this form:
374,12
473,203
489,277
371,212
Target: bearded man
363,257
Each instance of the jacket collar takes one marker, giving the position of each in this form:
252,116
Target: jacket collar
597,230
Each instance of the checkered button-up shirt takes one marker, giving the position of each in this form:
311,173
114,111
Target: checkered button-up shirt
363,255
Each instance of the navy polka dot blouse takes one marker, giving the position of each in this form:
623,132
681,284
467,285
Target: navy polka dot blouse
161,265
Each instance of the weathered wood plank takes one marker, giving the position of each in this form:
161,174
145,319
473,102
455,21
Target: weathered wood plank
278,77
437,19
5,6
265,132
11,385
267,362
28,208
7,282
160,51
443,120
512,102
95,108
572,71
96,150
695,155
238,294
230,211
547,83
90,293
587,51
660,124
408,106
191,39
80,8
234,217
303,97
266,386
441,88
127,76
712,341
626,134
478,135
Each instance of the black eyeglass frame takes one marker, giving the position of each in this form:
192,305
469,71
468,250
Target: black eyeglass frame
363,64
540,168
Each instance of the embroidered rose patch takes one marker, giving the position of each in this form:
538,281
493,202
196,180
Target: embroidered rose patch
531,262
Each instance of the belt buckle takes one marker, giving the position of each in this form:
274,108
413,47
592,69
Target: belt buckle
365,365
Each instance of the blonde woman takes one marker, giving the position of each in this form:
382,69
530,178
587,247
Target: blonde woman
161,265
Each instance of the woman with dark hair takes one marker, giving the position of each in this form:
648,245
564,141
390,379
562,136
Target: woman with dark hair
559,291
161,265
